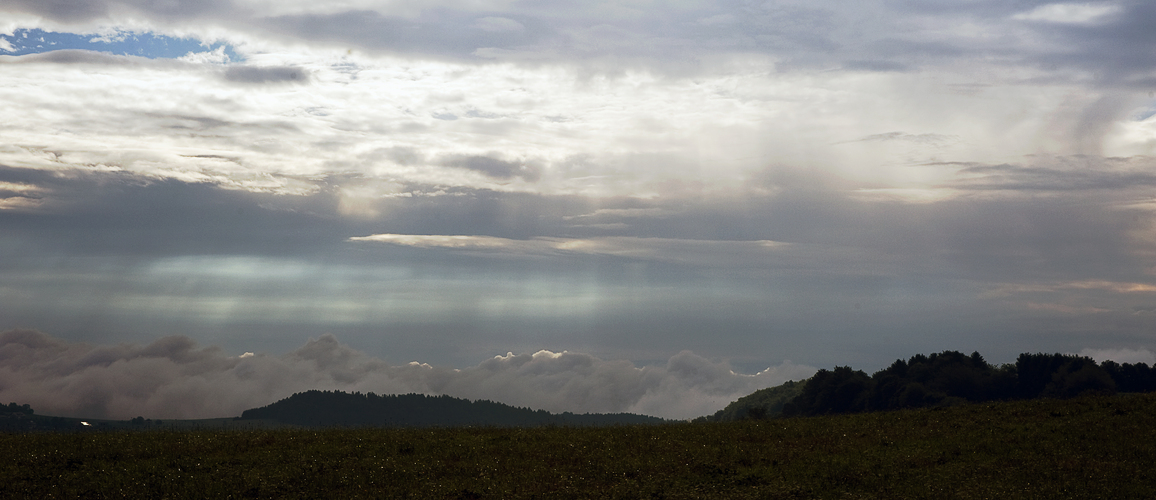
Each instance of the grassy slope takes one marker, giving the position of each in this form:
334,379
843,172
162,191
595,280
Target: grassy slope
767,402
1085,448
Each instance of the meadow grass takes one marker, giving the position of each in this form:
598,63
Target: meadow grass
1095,447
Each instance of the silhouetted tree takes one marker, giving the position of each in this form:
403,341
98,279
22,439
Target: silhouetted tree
15,408
842,390
1079,376
1129,377
1034,372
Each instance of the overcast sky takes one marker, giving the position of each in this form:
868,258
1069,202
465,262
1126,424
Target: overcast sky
763,188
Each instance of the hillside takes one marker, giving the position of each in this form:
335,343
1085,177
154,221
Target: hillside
342,409
947,378
763,403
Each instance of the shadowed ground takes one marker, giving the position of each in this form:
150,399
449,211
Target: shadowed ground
1092,447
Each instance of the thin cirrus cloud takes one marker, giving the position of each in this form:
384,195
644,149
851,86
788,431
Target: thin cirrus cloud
662,248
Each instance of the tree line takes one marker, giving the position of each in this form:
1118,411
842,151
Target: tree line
15,409
951,377
941,379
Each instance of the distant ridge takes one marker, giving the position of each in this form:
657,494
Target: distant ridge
342,409
763,403
941,379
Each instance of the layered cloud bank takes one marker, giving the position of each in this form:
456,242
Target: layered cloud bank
817,180
173,377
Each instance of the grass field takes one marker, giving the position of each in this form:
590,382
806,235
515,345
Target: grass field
1101,447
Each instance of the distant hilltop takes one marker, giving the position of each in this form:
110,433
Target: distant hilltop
341,409
942,379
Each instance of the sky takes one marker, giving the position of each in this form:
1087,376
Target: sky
640,206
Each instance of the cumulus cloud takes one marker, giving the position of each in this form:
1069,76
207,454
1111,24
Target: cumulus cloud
173,377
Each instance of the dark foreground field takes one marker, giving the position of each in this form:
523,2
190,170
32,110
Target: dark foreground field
1085,448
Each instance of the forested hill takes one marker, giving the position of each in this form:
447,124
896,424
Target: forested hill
941,379
758,405
342,409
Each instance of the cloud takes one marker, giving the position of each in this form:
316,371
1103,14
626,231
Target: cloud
498,24
1115,287
651,248
932,139
690,37
68,11
1111,286
1121,355
264,75
1070,13
1066,173
651,170
215,56
438,33
494,167
74,56
172,377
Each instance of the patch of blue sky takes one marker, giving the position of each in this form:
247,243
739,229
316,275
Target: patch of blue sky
150,45
1146,112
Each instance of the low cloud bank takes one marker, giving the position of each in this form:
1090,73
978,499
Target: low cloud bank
173,377
1120,355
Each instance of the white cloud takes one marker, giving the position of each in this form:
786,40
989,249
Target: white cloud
18,203
655,248
216,56
454,241
174,378
18,187
1070,13
637,133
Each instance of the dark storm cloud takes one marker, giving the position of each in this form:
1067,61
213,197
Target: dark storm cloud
95,239
125,214
265,74
120,213
86,213
1073,173
63,10
75,56
1118,47
494,167
73,11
